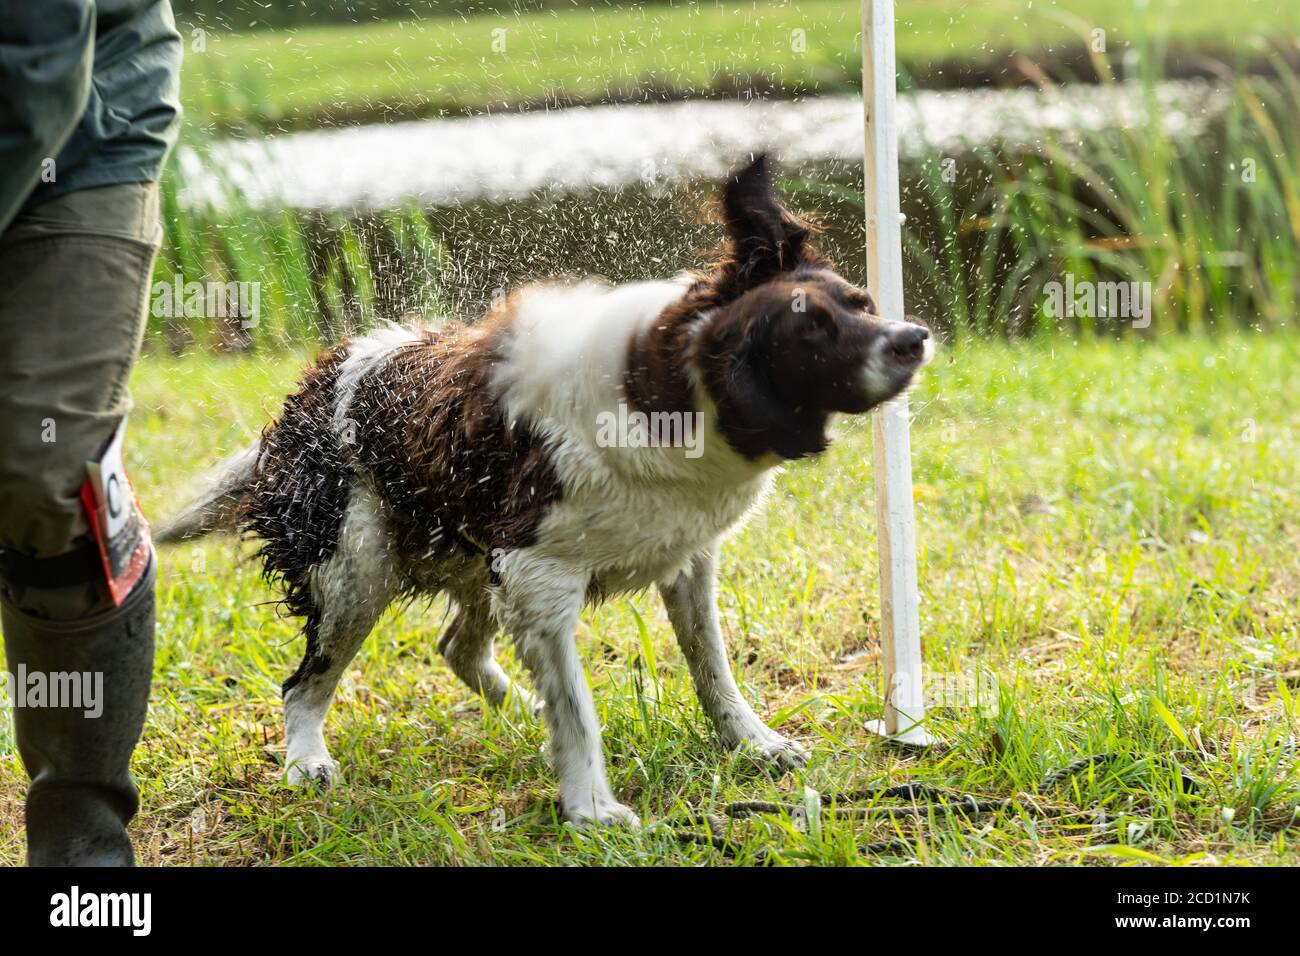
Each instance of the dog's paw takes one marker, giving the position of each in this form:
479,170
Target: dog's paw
600,813
318,771
774,751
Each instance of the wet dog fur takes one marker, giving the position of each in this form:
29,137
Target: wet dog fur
465,460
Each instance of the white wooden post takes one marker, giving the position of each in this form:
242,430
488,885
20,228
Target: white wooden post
900,628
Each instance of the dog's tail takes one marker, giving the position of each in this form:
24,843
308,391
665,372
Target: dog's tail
216,508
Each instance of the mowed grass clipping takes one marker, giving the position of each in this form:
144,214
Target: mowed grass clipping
369,72
1108,554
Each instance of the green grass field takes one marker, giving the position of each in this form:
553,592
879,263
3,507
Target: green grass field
1109,529
305,77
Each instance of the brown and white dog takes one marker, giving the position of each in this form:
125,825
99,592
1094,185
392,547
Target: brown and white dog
587,440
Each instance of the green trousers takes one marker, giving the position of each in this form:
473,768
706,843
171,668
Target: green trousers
74,283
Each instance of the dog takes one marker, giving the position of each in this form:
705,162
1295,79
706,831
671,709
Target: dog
582,441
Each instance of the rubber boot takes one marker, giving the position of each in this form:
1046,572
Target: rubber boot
82,794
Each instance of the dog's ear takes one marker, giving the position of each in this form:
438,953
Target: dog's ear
752,417
764,238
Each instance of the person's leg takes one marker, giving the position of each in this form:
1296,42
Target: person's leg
79,754
74,281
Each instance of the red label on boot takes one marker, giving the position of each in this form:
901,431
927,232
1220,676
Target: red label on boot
116,522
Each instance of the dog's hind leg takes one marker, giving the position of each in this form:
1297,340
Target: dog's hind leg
349,591
467,645
693,610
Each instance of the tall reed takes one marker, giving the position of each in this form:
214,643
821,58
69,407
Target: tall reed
319,275
1211,222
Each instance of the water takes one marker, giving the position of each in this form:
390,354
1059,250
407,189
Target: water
545,155
625,192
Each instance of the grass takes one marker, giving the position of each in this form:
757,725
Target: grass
299,78
1107,527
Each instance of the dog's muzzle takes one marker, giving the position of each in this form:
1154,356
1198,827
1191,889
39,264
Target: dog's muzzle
909,344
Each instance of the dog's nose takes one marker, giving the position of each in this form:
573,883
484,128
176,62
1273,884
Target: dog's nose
907,342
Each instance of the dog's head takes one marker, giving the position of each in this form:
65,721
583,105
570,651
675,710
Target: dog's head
792,341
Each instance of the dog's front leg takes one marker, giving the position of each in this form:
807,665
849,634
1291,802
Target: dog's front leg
538,604
693,610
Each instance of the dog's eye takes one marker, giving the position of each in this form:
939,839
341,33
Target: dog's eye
819,327
857,299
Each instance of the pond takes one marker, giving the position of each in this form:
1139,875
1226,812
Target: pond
540,155
624,191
